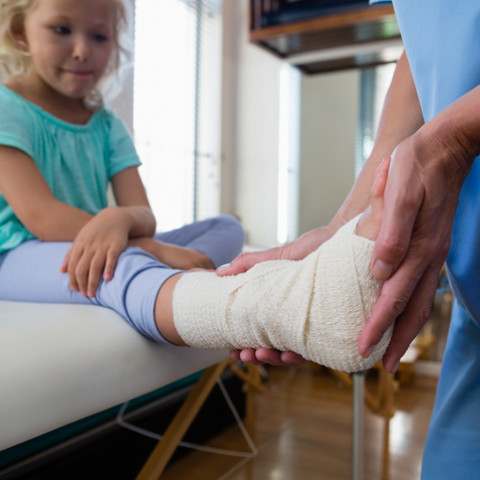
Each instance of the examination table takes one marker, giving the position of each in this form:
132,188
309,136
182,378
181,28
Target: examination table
61,363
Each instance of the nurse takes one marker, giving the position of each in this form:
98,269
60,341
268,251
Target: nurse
431,121
446,73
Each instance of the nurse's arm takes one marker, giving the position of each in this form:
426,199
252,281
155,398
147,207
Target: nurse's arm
426,176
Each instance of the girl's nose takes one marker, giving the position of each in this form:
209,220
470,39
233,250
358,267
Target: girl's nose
80,50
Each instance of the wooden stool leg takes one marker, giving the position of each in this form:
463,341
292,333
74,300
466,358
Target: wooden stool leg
252,388
162,453
386,450
253,385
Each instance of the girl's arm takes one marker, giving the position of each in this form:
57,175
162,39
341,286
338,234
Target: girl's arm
97,240
99,243
50,220
131,197
130,194
30,197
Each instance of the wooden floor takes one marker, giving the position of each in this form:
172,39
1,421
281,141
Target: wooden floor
302,431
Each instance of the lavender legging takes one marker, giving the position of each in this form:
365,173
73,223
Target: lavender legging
31,272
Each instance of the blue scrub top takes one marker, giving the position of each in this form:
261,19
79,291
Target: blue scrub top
442,45
442,40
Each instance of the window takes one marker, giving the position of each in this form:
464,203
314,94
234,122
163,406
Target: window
177,107
288,154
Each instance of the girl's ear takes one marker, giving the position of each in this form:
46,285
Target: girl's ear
17,32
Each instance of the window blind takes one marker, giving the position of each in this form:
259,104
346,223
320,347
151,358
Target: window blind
177,106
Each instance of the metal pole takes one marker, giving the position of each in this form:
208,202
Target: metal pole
358,425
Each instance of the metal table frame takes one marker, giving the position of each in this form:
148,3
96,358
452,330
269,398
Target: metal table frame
358,425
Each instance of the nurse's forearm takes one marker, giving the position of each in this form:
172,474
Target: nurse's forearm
452,138
401,117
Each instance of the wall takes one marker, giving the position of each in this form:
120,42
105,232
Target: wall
250,140
250,108
118,89
250,136
329,113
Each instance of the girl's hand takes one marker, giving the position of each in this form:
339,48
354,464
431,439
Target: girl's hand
96,248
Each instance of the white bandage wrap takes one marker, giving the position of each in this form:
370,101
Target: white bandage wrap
316,307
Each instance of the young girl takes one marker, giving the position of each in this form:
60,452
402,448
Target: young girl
59,242
58,150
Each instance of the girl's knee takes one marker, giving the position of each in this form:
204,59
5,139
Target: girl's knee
231,220
234,229
232,224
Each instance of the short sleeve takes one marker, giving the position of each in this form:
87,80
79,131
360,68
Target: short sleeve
16,127
122,151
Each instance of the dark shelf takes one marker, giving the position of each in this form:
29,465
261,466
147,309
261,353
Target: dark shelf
352,24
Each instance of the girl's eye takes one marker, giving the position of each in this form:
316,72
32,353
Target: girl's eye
100,38
60,30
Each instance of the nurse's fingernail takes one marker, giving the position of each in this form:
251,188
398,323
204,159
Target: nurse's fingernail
395,367
223,269
392,368
382,270
367,352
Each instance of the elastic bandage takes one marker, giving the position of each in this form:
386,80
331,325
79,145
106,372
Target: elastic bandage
315,307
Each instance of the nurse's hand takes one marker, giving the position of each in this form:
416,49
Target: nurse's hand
421,198
266,355
295,250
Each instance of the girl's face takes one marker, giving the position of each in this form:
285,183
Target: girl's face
70,43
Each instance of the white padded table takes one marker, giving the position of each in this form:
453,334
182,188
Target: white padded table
61,363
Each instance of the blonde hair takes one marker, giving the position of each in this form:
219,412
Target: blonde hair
15,62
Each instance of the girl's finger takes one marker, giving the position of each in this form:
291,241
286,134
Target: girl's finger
94,273
73,259
110,264
81,272
66,260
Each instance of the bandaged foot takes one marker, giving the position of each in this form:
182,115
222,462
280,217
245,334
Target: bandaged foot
315,307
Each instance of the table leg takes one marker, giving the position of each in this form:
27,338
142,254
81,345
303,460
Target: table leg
358,425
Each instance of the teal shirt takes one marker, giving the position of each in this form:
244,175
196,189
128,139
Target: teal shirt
77,161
